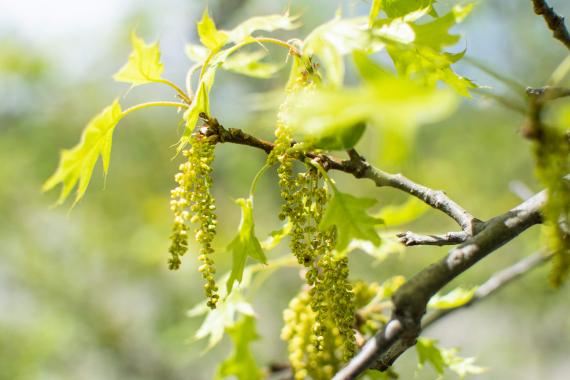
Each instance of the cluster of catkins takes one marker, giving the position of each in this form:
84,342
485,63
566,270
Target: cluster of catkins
192,203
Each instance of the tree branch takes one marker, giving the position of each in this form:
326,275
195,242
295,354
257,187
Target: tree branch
357,166
493,284
554,21
451,238
411,299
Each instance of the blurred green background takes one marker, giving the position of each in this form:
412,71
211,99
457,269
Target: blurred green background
87,294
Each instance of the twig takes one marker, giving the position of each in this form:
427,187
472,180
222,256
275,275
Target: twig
411,299
357,166
410,239
493,284
554,21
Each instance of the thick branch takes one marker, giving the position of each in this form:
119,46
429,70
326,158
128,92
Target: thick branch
411,299
359,168
554,21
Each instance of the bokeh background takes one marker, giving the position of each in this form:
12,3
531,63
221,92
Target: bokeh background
87,294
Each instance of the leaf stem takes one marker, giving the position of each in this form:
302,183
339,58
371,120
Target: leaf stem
153,104
178,90
256,179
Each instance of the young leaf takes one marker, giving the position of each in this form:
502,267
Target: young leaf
249,63
244,244
456,298
399,8
77,163
200,103
144,64
348,213
196,53
384,101
429,352
218,319
374,10
241,363
268,23
210,36
404,213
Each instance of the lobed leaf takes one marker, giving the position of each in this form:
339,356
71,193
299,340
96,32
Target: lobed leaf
406,212
267,23
383,100
210,36
244,244
441,358
348,214
144,64
76,164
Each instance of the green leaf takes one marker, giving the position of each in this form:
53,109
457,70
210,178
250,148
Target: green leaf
249,63
241,363
210,36
400,8
404,213
77,163
429,352
144,64
456,298
338,37
200,103
218,319
441,358
436,34
389,246
348,213
196,53
268,23
387,102
244,244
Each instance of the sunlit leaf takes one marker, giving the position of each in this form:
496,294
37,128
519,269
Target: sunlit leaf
244,244
399,8
144,64
456,298
441,358
435,34
429,352
223,316
386,102
241,363
200,103
268,23
348,214
249,63
196,53
394,215
338,37
210,36
389,246
76,164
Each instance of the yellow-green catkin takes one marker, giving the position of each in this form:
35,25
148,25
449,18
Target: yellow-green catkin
193,203
307,362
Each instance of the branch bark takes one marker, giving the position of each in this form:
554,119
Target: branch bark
357,166
554,21
411,299
410,239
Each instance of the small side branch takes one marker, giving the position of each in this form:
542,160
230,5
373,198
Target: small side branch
358,167
410,239
493,284
554,21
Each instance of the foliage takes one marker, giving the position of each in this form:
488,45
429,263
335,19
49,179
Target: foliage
319,114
